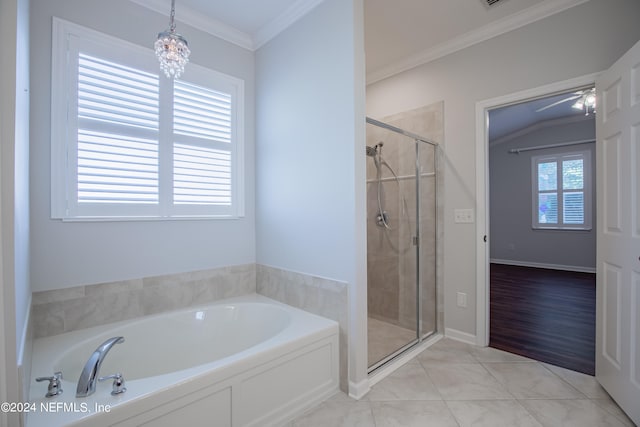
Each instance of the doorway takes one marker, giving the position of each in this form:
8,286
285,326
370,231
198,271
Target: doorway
542,245
482,190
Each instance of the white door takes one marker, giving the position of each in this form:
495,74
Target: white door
618,258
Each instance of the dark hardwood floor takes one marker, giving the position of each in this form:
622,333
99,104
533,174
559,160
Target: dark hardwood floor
547,315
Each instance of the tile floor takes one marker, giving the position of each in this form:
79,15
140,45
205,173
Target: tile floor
459,385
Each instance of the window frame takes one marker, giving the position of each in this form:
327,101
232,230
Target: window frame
558,158
68,40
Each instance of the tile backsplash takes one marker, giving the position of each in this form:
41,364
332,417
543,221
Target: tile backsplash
64,310
324,297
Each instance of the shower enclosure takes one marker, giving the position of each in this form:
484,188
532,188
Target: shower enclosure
401,240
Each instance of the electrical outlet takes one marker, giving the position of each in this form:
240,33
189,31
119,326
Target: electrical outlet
463,216
462,299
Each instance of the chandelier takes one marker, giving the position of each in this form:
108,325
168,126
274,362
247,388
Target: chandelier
172,49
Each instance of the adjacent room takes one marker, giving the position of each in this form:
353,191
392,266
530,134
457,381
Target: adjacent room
543,239
300,213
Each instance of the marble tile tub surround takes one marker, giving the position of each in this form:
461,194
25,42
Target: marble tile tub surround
64,310
460,385
317,295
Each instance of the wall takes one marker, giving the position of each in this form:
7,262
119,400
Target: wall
581,40
512,237
305,157
14,199
68,254
310,156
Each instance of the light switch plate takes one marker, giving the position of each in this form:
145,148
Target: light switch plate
463,216
461,299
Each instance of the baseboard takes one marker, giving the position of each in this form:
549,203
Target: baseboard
457,335
575,268
358,390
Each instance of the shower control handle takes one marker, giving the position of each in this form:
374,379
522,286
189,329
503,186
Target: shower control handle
55,384
118,383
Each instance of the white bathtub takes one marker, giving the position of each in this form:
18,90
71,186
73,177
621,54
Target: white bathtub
247,361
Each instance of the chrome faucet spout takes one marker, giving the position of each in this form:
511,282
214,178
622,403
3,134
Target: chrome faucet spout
91,371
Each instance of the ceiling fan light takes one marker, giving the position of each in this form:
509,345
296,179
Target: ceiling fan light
590,100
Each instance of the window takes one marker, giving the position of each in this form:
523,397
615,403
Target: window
128,142
562,191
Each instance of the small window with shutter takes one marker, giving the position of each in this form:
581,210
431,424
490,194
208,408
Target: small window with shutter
562,191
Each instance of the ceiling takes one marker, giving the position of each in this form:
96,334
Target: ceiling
399,35
505,121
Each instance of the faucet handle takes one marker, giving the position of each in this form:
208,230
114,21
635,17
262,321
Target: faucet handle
118,383
55,384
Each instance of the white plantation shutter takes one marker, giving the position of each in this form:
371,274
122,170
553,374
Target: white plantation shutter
201,112
127,143
201,176
202,125
118,115
561,191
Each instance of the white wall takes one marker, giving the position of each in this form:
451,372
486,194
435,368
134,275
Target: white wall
305,145
22,229
310,160
579,41
512,237
14,194
68,254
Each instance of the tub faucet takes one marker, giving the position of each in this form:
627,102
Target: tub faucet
89,375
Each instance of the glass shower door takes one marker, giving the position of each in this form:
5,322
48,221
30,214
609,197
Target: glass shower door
392,244
401,239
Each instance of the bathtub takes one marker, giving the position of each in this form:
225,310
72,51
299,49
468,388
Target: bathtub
247,361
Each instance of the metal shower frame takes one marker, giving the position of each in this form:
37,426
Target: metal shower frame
417,139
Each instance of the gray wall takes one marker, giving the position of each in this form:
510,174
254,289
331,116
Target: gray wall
512,238
582,40
66,254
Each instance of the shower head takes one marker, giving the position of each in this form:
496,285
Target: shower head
372,151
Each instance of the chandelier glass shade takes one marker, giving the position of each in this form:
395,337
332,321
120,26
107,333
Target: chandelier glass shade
172,49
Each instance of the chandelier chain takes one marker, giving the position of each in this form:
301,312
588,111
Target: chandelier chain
172,23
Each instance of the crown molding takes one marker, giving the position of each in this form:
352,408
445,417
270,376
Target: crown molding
494,29
204,23
294,12
231,34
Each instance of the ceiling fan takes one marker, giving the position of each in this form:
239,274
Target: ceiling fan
584,100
